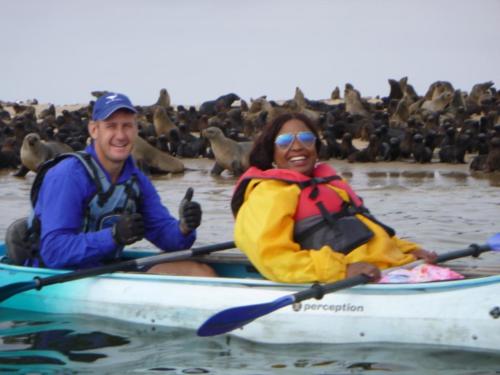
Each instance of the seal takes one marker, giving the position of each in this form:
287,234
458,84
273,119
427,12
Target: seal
393,151
162,123
353,102
455,152
98,93
229,154
335,95
478,94
346,146
299,97
493,159
163,99
223,102
395,92
367,154
165,127
149,158
401,114
9,154
421,153
437,88
439,102
35,151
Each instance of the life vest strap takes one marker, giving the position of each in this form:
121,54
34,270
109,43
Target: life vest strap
314,182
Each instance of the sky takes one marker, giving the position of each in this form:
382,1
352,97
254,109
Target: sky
59,51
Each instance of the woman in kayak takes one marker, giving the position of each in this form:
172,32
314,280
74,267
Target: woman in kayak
299,222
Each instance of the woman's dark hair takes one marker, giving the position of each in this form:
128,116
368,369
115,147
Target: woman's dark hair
262,154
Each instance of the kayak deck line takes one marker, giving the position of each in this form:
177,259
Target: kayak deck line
235,269
229,268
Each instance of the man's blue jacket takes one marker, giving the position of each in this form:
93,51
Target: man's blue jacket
61,205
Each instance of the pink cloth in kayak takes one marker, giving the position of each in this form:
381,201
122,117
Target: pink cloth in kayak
420,274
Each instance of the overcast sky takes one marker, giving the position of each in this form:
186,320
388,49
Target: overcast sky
59,51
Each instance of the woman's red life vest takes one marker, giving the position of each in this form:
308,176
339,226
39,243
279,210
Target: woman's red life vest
322,217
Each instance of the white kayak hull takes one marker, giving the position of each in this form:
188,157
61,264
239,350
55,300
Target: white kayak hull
464,313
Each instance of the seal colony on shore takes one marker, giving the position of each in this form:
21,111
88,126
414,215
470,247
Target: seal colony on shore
445,125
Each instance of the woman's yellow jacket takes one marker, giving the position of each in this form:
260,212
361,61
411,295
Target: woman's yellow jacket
264,231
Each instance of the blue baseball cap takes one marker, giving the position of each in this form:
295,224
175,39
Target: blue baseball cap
109,103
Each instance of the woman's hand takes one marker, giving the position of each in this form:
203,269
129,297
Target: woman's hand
364,268
426,256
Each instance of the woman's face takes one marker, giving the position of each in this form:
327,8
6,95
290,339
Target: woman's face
294,148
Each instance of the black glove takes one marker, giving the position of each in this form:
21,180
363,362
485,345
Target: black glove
128,229
189,213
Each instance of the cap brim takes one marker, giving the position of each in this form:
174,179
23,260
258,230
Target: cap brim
112,110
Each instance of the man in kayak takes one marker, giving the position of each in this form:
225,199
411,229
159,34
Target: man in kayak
299,222
89,205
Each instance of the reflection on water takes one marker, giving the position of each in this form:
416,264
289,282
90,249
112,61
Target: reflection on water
443,207
65,342
97,345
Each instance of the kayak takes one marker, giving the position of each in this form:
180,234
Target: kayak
461,313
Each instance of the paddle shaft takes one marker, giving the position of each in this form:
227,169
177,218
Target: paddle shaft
133,264
318,291
473,250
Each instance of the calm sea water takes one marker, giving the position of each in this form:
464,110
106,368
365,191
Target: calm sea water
441,206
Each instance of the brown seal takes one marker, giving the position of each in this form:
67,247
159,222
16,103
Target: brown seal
479,93
163,124
149,157
299,97
335,95
439,102
163,99
401,114
437,88
229,154
353,102
35,151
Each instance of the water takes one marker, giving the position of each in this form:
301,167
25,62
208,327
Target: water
441,206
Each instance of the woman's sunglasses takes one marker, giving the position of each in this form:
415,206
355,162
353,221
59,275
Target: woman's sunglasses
285,140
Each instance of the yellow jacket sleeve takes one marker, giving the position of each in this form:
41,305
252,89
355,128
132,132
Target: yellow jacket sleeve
264,231
382,250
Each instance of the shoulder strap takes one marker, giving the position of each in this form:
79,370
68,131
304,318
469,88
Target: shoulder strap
87,161
314,182
104,188
40,175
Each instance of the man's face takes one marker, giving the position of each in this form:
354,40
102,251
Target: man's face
114,137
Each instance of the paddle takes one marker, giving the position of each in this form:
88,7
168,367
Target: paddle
236,317
38,283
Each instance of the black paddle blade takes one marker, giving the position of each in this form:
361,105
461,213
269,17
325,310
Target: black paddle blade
10,290
236,317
